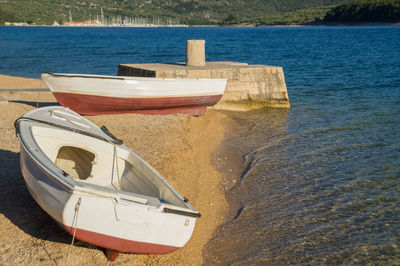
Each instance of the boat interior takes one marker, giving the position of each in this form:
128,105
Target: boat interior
102,164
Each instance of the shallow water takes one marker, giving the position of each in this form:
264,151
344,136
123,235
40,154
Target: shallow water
322,183
322,180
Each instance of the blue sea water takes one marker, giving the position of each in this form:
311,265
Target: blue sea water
322,180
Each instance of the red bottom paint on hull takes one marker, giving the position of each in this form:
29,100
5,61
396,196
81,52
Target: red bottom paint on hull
118,244
100,105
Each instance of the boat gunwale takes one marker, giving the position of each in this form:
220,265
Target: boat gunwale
127,78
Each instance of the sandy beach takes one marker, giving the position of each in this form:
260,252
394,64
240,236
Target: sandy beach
182,148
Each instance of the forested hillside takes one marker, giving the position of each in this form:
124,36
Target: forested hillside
183,11
364,11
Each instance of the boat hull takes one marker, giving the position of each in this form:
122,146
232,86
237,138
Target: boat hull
118,244
96,95
61,205
68,165
98,105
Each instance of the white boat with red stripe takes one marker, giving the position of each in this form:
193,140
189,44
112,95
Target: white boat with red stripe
98,94
96,188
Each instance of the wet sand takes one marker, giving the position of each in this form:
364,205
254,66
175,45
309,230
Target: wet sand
182,148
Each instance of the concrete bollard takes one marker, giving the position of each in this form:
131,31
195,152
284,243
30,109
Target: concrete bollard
195,53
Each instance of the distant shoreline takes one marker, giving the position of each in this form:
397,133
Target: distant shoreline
244,25
312,24
101,26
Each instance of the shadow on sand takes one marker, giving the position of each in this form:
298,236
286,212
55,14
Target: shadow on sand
17,205
36,104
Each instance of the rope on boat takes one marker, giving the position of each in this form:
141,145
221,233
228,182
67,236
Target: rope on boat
115,162
74,224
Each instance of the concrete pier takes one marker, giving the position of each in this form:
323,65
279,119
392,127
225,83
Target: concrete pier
249,86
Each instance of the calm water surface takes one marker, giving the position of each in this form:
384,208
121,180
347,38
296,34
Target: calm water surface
322,183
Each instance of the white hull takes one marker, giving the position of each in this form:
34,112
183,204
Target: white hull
103,207
128,87
97,95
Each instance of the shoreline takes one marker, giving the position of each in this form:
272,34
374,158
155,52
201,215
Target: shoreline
242,25
182,148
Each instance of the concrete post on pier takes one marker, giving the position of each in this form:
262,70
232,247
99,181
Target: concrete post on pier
195,53
249,86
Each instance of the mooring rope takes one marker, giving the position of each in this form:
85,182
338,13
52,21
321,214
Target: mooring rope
74,224
115,162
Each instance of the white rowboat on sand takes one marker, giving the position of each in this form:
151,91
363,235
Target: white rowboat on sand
99,94
96,188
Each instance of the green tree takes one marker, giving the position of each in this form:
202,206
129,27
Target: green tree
362,11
